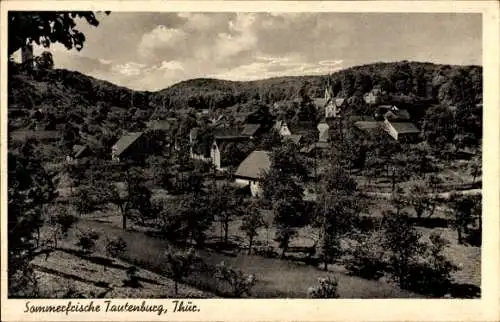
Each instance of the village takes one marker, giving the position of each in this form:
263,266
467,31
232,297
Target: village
362,182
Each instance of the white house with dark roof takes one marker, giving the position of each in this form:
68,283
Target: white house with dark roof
401,130
251,170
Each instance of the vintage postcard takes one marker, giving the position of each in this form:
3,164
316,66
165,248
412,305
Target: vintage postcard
242,161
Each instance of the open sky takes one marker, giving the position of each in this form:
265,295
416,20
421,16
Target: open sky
151,51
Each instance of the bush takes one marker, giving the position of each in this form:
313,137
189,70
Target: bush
132,278
432,274
367,258
115,247
239,283
87,241
326,289
265,251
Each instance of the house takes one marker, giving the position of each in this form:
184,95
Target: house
251,130
38,135
281,127
373,97
78,152
250,171
315,149
381,111
295,138
401,130
366,126
130,146
222,138
323,129
397,114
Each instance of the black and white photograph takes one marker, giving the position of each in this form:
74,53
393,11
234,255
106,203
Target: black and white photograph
244,155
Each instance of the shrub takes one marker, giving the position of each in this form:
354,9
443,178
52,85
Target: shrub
367,258
432,274
181,264
327,288
115,247
87,241
132,278
239,282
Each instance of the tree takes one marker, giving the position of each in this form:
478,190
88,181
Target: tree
338,206
252,220
225,201
61,220
29,188
466,208
404,246
422,199
47,27
45,61
239,282
476,167
180,264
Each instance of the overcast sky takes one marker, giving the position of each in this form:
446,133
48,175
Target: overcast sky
150,51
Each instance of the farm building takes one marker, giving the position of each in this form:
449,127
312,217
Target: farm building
223,137
401,130
251,130
130,146
250,171
282,128
41,136
78,152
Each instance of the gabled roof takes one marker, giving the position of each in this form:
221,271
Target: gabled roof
23,135
399,114
367,125
125,142
295,138
250,129
317,145
241,117
319,102
78,150
160,124
227,133
302,127
254,165
405,127
362,118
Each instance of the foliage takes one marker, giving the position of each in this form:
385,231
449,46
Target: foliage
186,219
115,247
180,264
432,274
225,201
404,246
29,188
61,220
466,209
422,199
47,27
87,240
132,277
45,61
326,288
251,221
239,282
367,257
337,211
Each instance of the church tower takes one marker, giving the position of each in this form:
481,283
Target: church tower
331,106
